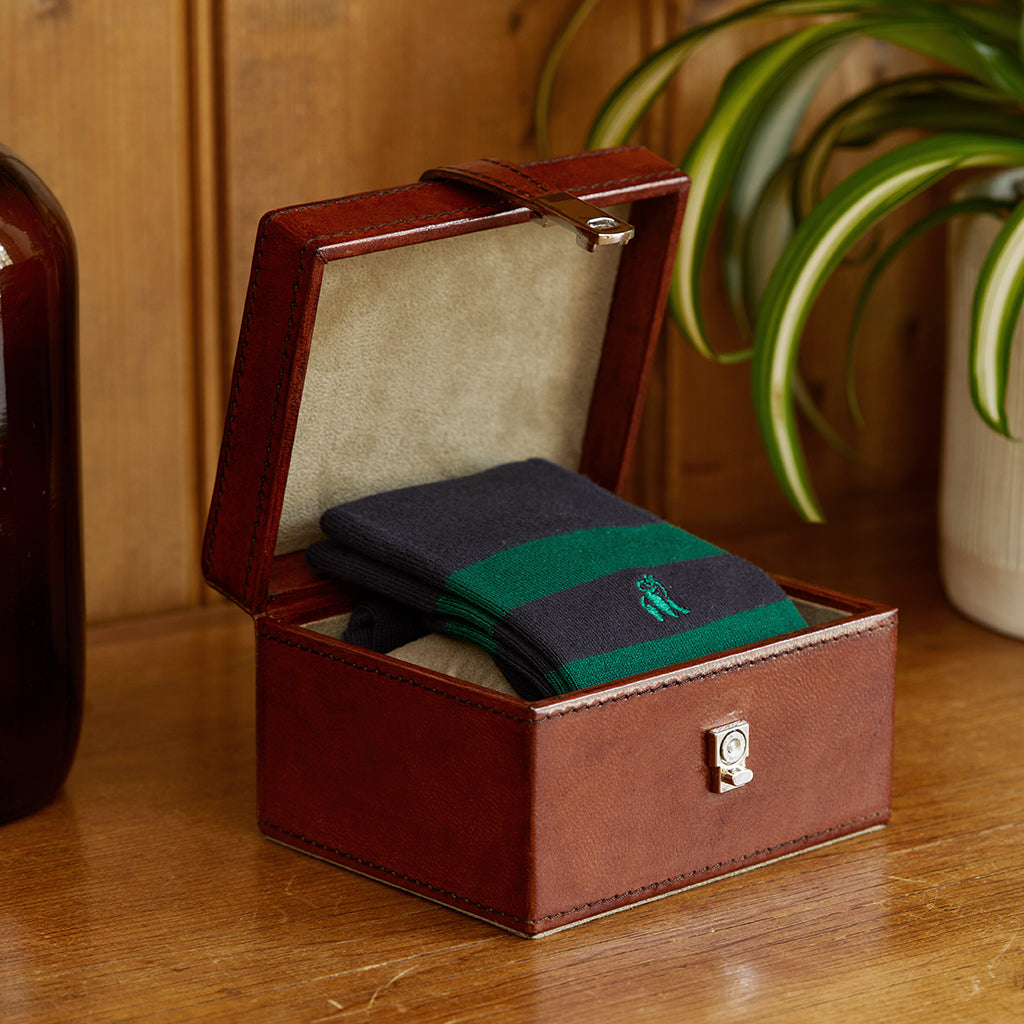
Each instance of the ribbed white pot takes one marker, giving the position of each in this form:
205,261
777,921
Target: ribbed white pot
981,488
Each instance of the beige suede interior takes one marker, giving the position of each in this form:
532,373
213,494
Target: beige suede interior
434,651
439,359
463,661
818,614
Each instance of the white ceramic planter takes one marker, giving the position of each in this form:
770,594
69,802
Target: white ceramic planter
981,490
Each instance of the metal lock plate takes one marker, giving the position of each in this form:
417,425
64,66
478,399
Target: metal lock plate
728,749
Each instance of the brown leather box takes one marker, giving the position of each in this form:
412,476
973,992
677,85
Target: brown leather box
428,331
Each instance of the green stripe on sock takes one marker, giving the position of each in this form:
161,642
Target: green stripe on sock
732,631
533,570
450,607
463,631
466,622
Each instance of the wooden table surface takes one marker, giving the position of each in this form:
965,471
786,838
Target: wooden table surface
145,892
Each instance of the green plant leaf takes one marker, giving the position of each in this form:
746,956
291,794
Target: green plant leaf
999,24
717,152
768,232
952,37
1020,33
818,245
625,107
933,102
767,149
997,303
949,40
971,206
546,82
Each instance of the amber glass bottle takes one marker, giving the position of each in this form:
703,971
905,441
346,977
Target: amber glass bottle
41,638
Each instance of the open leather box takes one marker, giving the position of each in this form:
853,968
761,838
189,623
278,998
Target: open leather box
430,331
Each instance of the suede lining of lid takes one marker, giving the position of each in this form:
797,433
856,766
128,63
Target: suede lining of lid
435,360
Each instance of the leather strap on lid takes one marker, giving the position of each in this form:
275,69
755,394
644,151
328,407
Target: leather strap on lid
515,184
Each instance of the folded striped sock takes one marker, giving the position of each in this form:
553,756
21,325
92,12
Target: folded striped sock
565,584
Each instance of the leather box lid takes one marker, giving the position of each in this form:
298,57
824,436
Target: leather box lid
426,331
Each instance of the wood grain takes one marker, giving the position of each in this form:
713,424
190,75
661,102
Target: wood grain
324,99
168,128
146,893
92,96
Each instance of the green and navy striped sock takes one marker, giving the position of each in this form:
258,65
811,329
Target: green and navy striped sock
565,584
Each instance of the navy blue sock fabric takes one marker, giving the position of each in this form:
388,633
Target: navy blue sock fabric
381,624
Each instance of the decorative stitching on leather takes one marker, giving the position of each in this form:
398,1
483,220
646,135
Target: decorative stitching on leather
622,698
503,186
518,171
881,816
272,433
398,678
659,176
398,223
712,867
389,871
366,228
588,154
419,184
344,199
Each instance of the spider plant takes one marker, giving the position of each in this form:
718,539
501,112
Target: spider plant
784,232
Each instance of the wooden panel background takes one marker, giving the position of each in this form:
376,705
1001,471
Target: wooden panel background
167,128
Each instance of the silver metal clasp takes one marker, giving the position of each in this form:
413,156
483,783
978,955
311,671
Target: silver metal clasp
592,225
728,747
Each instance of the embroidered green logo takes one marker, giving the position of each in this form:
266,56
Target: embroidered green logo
655,600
